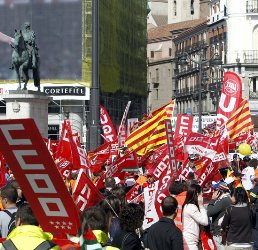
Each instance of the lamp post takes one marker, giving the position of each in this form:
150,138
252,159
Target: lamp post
93,137
214,60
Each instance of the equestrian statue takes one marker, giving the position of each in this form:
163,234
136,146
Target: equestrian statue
25,56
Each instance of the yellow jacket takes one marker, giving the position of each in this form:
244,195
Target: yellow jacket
28,237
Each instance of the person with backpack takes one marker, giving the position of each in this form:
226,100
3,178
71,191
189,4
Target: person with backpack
9,197
28,235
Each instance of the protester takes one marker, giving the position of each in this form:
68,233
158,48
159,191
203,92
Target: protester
249,174
164,234
237,222
131,218
120,193
9,197
216,209
109,184
28,235
112,207
21,198
178,190
97,222
194,215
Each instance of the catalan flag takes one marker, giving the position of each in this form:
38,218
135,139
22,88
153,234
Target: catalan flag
152,133
240,120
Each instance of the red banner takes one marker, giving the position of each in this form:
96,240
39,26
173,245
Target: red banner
171,149
85,193
231,96
36,173
184,124
107,125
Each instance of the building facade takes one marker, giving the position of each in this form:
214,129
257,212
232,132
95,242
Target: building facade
161,62
184,10
231,32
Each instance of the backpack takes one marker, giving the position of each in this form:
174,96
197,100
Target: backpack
11,224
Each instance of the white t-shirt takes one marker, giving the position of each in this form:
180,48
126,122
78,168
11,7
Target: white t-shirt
4,221
248,177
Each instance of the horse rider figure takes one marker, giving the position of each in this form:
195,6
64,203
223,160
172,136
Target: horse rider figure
30,41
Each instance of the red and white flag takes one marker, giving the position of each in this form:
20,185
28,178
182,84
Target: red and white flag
231,96
33,167
184,124
85,193
107,126
202,145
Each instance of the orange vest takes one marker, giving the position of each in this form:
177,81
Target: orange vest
178,219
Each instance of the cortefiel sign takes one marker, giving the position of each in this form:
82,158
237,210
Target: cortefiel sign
64,90
33,167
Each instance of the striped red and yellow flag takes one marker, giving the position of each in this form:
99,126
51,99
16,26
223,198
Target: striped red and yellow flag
152,133
240,120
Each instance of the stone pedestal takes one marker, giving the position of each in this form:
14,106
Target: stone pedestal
28,104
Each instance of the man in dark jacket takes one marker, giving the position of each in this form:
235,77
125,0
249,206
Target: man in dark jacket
164,234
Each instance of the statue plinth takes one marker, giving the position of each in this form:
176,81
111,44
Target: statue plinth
22,104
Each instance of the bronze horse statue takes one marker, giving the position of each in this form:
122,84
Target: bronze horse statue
22,62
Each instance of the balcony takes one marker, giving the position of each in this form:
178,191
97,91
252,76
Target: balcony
250,56
252,6
253,95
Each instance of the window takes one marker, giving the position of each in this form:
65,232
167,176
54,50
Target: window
157,75
174,8
254,85
152,54
170,52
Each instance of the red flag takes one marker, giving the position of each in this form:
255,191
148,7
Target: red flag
85,193
179,148
184,124
133,193
161,164
107,125
36,173
231,96
99,157
64,147
64,167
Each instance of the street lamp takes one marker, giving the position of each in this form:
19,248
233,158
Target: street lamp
93,137
215,60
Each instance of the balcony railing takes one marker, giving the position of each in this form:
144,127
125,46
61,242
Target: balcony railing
250,56
253,95
252,6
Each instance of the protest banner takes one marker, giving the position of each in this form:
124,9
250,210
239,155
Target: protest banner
33,167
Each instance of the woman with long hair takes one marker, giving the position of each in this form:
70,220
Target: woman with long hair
194,215
237,222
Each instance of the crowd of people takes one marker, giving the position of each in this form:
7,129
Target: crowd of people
228,218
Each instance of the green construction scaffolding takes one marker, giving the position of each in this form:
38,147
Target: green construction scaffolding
122,45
